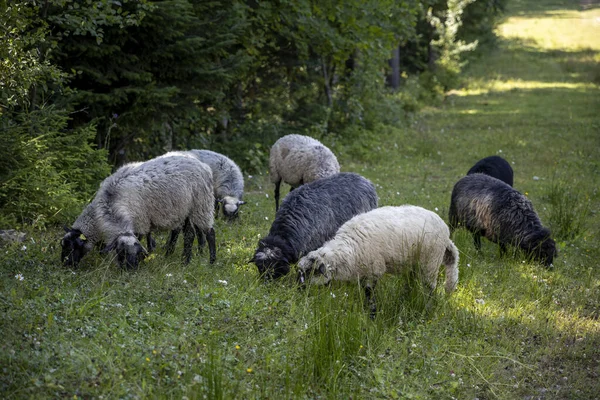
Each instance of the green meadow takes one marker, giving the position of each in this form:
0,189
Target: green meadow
512,329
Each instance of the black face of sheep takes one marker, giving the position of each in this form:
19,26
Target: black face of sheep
73,247
129,251
270,263
545,251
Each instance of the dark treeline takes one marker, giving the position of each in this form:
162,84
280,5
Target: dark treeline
88,85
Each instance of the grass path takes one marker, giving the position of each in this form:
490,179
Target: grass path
513,329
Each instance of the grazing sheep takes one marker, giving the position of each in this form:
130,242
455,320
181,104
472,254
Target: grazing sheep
228,181
489,207
85,233
163,193
309,216
387,239
494,166
298,159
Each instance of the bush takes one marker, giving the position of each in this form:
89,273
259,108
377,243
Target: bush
47,171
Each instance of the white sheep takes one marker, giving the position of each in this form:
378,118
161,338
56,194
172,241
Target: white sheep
386,239
298,159
164,193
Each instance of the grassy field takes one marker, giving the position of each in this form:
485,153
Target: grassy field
513,329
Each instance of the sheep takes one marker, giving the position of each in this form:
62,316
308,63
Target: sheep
163,193
387,239
85,234
228,181
298,159
494,166
489,207
308,217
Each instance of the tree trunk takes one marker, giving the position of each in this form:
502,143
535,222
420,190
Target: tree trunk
395,64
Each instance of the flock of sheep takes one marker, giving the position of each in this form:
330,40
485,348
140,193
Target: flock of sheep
329,223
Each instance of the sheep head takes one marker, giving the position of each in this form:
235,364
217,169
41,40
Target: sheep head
541,246
313,267
129,250
74,246
231,207
271,261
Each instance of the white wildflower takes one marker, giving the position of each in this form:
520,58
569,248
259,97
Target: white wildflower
19,277
222,282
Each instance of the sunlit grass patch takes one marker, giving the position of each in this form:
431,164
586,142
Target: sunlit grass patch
562,29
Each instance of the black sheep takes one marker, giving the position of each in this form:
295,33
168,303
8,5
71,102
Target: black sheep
494,166
488,207
309,216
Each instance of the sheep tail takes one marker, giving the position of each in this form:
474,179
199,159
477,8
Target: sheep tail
451,264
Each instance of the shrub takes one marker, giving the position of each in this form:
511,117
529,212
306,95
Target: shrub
47,171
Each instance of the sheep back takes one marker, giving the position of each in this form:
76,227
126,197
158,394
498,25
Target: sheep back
309,216
298,159
494,166
489,207
386,240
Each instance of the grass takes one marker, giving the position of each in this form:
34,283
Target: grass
512,329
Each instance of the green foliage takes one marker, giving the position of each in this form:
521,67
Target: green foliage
479,19
447,45
47,171
23,64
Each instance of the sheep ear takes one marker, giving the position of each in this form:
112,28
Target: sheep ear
110,247
241,203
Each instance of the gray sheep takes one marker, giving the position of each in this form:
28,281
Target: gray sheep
85,233
163,193
308,217
488,207
228,181
298,159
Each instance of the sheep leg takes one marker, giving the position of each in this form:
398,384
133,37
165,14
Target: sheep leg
502,248
151,243
172,241
369,286
200,236
212,248
188,241
277,187
477,240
